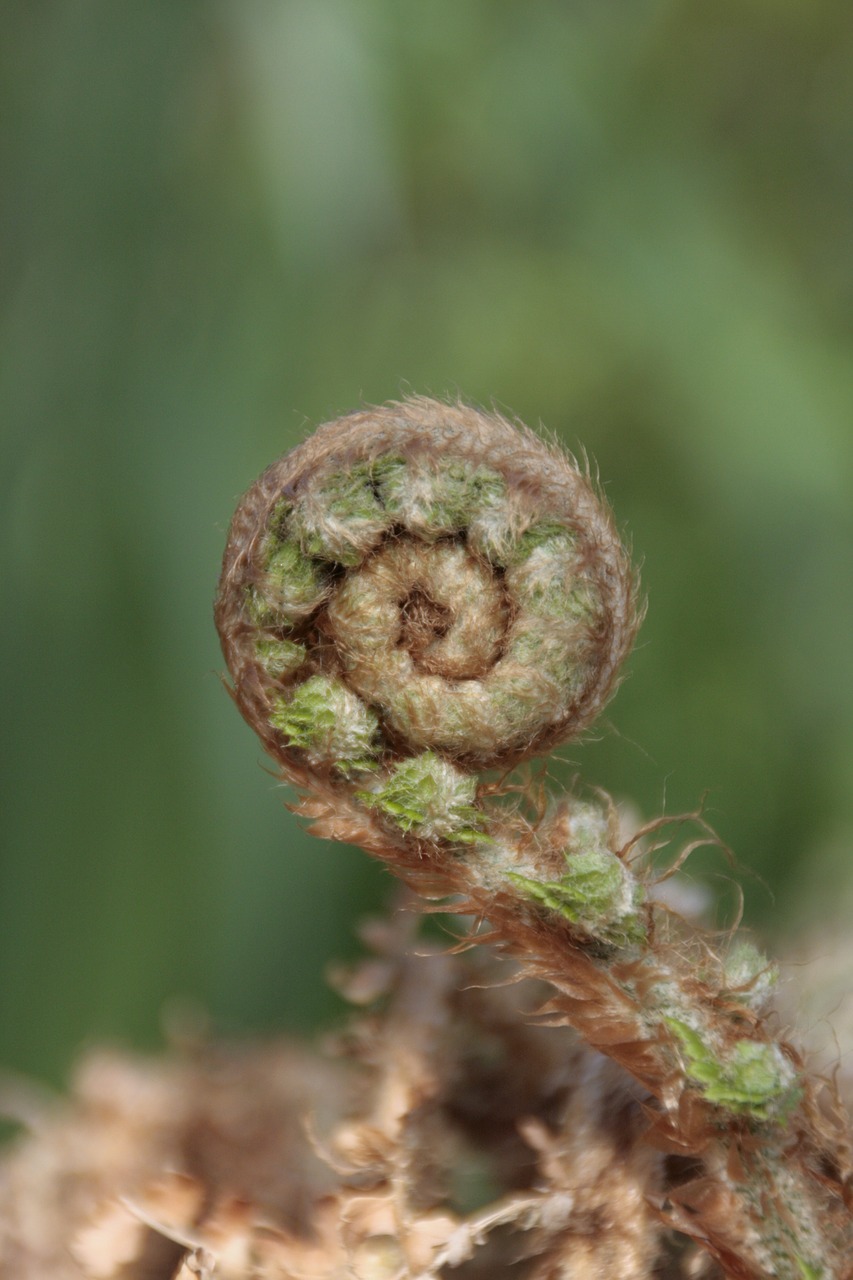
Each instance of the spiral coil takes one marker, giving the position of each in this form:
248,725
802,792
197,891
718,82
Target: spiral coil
418,592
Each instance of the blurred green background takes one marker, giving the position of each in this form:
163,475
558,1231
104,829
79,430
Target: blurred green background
225,221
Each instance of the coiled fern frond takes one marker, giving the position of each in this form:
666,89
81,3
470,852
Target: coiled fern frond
414,601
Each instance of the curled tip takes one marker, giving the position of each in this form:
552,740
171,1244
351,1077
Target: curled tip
422,579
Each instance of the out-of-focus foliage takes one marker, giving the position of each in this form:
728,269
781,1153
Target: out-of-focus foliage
225,221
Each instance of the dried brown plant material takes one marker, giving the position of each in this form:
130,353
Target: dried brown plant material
147,1140
475,1142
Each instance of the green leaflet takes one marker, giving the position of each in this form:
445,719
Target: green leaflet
750,1078
429,797
597,893
323,718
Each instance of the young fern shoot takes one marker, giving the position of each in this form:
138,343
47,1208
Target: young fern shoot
414,601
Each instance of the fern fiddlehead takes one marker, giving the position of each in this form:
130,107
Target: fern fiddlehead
425,579
423,594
